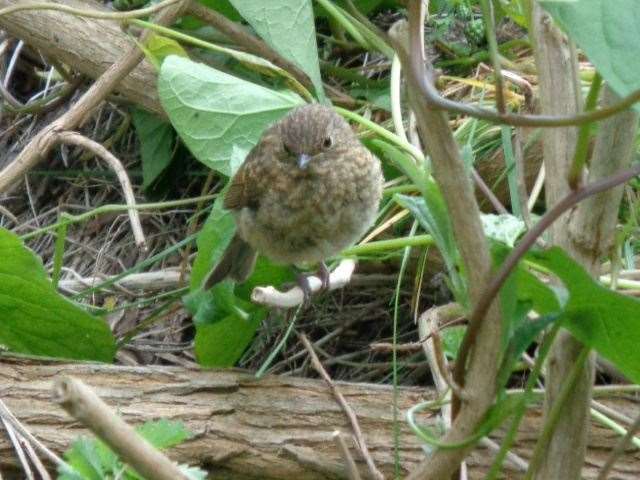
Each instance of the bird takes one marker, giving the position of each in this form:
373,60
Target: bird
307,190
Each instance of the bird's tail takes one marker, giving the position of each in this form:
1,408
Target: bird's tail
237,263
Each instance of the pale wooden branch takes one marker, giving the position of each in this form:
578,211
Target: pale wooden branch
86,407
276,427
74,138
346,408
147,281
272,297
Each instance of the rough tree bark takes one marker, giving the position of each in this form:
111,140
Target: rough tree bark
274,428
88,45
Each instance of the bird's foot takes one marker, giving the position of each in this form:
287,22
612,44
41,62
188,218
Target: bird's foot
303,282
325,276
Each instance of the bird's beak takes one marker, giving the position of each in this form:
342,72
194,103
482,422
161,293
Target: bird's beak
303,160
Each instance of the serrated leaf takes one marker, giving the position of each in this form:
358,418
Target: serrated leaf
156,144
83,458
608,34
505,228
35,319
216,113
279,22
164,433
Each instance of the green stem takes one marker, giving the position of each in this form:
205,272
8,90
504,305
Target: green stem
267,363
582,144
394,354
489,22
104,209
394,244
343,20
382,132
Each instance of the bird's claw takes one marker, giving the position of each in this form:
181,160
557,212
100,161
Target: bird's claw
325,276
303,282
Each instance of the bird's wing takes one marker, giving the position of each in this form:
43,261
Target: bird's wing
247,185
244,190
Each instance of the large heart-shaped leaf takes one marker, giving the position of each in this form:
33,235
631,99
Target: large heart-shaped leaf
600,318
288,27
609,35
35,319
218,116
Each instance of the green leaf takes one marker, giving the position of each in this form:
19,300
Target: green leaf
452,339
379,97
218,116
288,27
221,344
608,34
503,228
92,459
84,459
215,235
432,216
156,144
158,47
164,433
35,319
600,318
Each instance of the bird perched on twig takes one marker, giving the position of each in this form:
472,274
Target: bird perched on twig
305,192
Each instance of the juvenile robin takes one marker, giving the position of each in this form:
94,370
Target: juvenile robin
305,192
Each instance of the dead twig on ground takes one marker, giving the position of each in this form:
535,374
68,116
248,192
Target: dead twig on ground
74,138
353,420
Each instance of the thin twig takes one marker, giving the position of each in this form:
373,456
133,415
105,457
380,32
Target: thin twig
486,191
6,415
17,446
353,420
490,292
350,465
74,138
85,406
412,59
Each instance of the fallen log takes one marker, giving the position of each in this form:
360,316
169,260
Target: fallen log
273,428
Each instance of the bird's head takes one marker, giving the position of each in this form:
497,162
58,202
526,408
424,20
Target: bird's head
313,132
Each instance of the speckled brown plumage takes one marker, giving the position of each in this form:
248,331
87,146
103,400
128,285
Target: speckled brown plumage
308,190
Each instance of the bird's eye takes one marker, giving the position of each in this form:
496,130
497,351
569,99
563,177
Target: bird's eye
327,142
